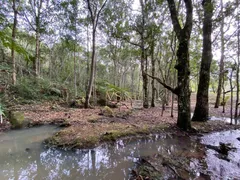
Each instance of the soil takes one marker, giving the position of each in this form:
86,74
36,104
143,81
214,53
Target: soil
89,127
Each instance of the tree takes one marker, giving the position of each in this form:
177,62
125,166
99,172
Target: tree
183,69
182,66
238,64
14,28
37,16
94,15
201,110
221,64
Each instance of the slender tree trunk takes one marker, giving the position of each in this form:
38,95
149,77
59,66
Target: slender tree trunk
223,96
94,13
13,41
221,65
75,71
201,112
36,59
144,59
173,95
153,74
238,65
231,90
92,71
132,81
88,59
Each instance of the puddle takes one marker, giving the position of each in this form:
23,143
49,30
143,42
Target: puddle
219,168
22,156
225,119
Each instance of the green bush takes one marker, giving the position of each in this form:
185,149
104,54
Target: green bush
36,89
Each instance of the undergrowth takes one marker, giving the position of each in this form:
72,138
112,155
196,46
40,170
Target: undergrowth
32,89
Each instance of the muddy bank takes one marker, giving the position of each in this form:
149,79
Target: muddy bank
213,156
88,128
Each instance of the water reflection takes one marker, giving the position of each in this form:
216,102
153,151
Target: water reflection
22,156
226,120
222,169
104,162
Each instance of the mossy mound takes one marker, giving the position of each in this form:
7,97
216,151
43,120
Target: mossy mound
16,119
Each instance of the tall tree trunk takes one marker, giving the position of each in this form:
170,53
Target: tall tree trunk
184,93
88,60
182,66
231,91
221,65
13,41
153,74
144,58
94,15
92,71
36,59
238,65
75,70
201,112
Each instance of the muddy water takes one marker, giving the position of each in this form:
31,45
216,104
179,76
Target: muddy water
22,156
218,167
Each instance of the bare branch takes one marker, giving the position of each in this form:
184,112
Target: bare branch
173,90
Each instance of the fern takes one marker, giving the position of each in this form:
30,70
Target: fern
6,40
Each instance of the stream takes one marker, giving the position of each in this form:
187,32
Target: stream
23,156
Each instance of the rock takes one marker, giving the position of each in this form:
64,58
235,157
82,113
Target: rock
107,111
17,119
238,138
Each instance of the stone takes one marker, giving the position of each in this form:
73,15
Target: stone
17,119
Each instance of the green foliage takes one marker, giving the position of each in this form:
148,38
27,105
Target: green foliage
112,91
36,90
6,40
1,110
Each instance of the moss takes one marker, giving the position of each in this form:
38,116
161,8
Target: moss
107,111
16,119
116,134
160,127
143,130
89,142
93,119
71,138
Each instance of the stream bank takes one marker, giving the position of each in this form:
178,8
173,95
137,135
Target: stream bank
25,157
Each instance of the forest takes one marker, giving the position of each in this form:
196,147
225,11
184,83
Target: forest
111,69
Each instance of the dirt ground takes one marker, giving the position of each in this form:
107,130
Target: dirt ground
89,127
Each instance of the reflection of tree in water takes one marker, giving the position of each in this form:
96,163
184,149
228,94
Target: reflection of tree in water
106,161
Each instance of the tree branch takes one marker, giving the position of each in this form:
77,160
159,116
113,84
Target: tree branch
173,90
90,10
188,4
99,12
175,22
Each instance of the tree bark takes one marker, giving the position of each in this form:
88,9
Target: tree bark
14,79
221,65
238,64
75,69
36,63
144,59
201,112
92,72
182,66
94,18
153,74
231,87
